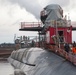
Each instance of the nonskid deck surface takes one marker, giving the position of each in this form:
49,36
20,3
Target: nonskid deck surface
37,61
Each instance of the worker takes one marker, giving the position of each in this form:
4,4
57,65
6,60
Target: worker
66,47
33,43
74,48
74,44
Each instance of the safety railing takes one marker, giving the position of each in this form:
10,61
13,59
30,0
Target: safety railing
52,23
69,56
30,24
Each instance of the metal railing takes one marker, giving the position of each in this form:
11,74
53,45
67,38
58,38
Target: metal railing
68,56
30,24
63,23
51,23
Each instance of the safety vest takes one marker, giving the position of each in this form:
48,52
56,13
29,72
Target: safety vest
74,50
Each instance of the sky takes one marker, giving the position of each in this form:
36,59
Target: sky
13,12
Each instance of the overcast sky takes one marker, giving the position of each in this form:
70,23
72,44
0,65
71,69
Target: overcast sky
12,12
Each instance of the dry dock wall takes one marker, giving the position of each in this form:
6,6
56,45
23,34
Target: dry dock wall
37,61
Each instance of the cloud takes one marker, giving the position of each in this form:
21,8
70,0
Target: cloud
10,18
62,3
32,7
35,6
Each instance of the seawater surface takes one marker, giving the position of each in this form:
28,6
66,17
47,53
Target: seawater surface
6,68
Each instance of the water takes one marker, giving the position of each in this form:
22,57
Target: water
6,68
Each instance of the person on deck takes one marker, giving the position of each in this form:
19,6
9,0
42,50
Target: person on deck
74,48
66,47
33,43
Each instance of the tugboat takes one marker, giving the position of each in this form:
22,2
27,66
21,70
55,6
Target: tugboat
49,56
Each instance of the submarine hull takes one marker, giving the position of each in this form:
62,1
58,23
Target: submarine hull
37,61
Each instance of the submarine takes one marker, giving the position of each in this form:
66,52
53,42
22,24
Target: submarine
51,59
